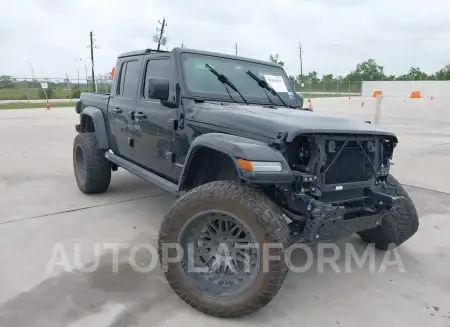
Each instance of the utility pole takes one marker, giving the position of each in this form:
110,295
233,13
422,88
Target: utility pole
87,84
32,72
91,36
235,47
78,70
300,51
160,39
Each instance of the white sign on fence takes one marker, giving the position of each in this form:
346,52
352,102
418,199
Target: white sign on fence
44,85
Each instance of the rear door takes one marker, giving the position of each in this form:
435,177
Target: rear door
155,139
123,103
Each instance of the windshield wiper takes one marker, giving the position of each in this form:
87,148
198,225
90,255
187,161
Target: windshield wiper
266,86
223,79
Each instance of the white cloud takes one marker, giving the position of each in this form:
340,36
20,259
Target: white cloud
336,35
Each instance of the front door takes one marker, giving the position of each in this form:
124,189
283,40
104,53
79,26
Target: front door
155,141
122,103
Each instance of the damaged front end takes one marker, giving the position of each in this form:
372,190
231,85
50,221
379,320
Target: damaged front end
337,188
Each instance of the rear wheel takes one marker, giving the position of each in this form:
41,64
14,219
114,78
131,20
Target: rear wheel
398,226
233,238
92,169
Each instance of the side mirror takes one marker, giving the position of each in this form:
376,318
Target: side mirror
158,88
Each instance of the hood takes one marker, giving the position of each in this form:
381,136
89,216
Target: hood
267,122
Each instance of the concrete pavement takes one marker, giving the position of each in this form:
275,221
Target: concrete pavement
43,214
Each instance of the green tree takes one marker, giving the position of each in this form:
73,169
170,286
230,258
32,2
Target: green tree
313,77
7,82
368,70
403,77
301,78
443,74
327,78
416,74
276,59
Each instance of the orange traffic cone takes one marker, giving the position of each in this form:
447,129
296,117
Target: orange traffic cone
47,106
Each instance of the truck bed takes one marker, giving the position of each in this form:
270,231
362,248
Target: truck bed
97,100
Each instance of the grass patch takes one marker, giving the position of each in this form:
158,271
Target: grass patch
31,93
20,93
31,105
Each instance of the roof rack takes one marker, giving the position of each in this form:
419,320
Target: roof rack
154,51
141,52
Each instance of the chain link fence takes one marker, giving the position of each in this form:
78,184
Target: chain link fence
12,88
333,88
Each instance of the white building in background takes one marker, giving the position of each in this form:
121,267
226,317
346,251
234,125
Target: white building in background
403,89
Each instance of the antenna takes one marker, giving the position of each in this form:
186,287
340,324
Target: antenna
159,36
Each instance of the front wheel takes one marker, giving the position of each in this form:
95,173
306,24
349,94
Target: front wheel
92,169
397,226
232,239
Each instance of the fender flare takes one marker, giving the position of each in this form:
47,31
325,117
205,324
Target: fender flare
99,125
239,147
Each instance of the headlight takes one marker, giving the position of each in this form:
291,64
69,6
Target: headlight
259,166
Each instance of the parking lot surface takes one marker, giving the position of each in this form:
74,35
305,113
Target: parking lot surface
45,220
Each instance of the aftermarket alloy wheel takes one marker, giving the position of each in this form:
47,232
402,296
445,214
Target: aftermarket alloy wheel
232,239
221,246
92,170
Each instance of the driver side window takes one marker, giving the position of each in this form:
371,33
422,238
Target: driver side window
161,68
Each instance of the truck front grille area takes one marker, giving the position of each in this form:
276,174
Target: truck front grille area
347,162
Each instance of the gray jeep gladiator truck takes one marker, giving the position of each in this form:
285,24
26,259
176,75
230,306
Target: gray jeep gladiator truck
253,172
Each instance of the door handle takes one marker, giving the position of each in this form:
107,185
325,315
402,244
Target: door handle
140,115
117,110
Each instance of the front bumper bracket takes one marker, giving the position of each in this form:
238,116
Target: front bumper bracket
326,222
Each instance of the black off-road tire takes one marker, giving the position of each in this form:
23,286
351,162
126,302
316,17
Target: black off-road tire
267,224
397,227
92,169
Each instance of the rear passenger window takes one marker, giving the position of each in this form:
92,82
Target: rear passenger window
160,68
129,79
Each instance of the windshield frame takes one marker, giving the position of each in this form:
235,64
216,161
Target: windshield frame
263,100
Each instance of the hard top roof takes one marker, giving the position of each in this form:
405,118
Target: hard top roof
179,50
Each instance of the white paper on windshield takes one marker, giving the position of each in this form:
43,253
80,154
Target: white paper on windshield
276,82
202,66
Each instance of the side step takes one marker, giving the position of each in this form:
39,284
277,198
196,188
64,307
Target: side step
142,173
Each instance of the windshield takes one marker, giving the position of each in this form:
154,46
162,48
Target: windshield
200,82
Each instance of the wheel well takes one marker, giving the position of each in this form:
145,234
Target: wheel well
209,165
87,124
